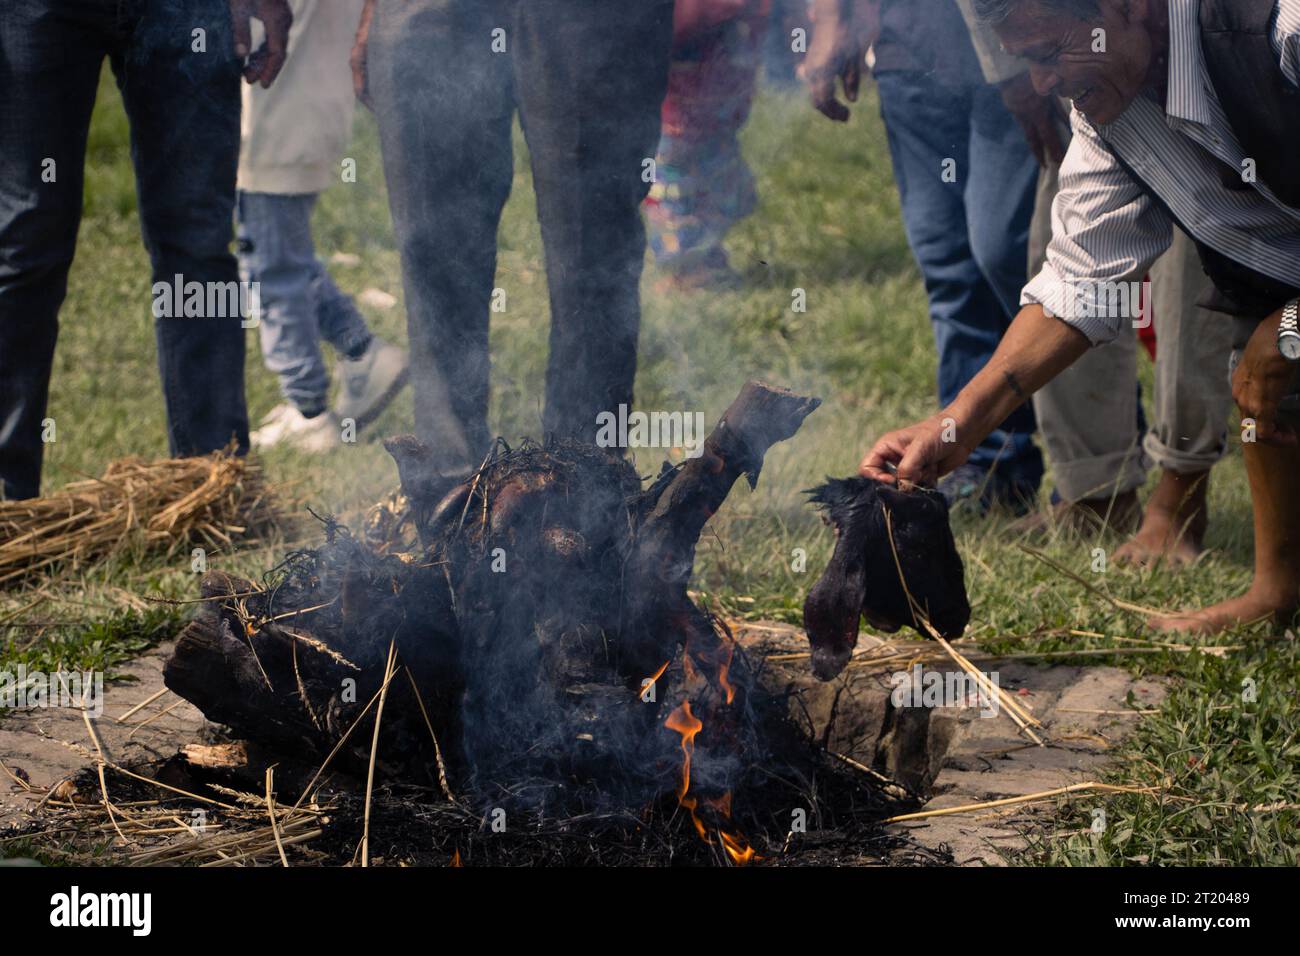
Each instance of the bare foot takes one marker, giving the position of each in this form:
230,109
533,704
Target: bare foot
1173,526
1247,609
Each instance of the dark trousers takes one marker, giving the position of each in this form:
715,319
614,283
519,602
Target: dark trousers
969,232
588,78
183,108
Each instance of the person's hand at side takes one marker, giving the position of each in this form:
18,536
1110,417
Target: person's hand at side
264,64
843,32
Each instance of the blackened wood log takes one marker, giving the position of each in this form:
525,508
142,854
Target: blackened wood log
216,669
427,489
294,668
243,765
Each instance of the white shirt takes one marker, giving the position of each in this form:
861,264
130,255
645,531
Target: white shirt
294,135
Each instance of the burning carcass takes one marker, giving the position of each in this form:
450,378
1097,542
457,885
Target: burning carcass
538,645
524,639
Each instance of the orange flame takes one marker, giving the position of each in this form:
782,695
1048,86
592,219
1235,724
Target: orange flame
736,848
723,669
653,679
688,725
455,858
688,668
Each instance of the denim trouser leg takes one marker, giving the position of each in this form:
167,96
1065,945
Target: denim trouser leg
184,110
184,114
1000,196
300,303
341,323
969,235
444,104
49,72
588,78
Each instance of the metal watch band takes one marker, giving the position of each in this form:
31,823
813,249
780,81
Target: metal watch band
1288,333
1291,317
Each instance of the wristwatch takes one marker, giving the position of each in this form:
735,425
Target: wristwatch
1288,334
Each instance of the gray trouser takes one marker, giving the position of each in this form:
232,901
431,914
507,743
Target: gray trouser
588,78
1088,415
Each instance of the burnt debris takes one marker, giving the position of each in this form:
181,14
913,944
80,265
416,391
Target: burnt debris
541,627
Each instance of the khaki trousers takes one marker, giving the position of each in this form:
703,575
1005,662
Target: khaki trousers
1088,415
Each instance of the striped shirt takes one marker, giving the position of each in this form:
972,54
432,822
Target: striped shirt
1107,230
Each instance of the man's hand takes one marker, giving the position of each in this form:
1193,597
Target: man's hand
843,31
264,65
1261,382
1034,350
1038,117
920,454
360,80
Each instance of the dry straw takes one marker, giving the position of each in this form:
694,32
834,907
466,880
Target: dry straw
158,505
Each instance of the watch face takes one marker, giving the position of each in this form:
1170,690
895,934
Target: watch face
1290,346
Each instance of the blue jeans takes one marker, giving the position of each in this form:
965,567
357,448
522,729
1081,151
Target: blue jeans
300,302
969,235
183,110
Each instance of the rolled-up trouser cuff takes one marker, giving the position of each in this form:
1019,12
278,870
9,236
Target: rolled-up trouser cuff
1181,462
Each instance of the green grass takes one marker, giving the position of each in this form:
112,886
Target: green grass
828,223
101,643
1228,769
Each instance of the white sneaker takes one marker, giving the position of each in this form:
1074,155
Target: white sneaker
370,382
285,425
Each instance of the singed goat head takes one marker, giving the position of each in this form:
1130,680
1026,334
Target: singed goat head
863,577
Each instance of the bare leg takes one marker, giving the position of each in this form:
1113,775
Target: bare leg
1174,523
1275,592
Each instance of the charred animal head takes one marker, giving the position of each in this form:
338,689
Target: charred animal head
869,577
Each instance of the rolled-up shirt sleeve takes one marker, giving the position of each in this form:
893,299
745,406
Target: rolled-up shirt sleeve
1105,230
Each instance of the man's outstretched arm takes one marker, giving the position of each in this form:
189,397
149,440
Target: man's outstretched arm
1036,348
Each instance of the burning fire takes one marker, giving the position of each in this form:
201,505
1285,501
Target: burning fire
736,847
723,669
688,725
685,723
